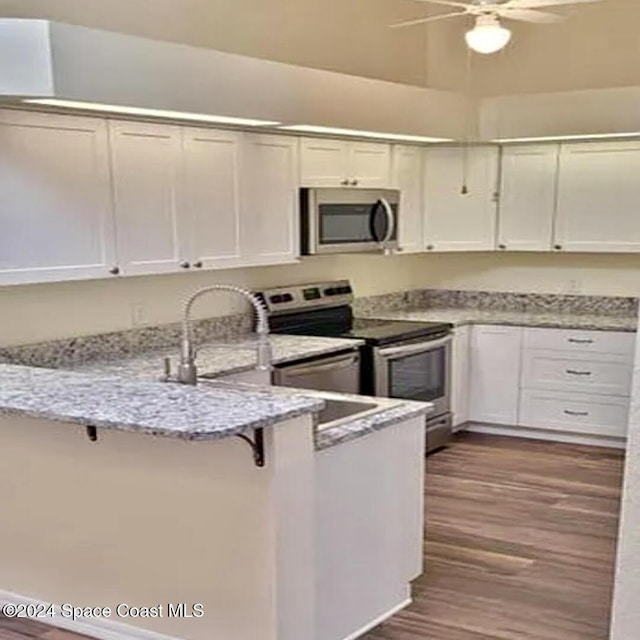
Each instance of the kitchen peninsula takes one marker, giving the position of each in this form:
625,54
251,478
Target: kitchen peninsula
147,497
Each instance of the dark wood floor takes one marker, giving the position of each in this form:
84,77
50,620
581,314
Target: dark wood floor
520,546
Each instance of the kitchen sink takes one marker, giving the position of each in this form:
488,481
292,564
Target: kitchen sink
340,409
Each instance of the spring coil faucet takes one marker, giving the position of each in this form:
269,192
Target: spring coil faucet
187,369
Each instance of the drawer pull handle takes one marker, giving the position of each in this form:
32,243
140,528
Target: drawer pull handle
576,413
577,341
573,372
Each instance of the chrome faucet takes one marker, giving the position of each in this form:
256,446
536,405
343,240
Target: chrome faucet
187,369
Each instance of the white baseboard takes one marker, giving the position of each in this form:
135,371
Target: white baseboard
379,620
100,628
543,434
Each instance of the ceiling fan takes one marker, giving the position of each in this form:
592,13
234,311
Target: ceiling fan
488,35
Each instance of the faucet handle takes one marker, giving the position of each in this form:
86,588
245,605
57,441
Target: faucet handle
167,370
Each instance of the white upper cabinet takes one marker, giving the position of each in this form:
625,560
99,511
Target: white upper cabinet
599,197
527,197
457,221
407,177
495,374
342,163
210,196
146,160
56,219
270,207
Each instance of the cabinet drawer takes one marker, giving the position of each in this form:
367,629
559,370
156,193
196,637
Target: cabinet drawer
575,412
561,371
618,342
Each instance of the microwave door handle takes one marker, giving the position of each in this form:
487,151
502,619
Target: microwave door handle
411,349
391,226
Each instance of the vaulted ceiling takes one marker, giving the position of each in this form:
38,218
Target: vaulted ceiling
598,46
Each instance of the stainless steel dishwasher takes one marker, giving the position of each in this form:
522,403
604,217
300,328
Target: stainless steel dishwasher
339,372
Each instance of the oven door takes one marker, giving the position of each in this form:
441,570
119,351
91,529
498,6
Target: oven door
351,220
416,371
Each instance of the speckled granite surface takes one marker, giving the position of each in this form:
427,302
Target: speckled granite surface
172,410
219,358
584,321
535,303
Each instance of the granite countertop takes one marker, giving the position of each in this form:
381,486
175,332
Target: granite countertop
219,358
172,410
557,320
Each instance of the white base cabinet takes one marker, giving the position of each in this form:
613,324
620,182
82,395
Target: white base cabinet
460,375
543,381
368,528
495,374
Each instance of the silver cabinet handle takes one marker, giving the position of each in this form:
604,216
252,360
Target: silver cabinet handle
354,183
573,372
576,413
184,264
579,341
344,182
114,271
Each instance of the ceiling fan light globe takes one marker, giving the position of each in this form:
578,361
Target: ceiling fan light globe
488,38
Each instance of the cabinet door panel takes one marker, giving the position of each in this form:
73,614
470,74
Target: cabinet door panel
56,216
211,195
527,197
495,374
270,225
369,164
460,374
456,221
146,162
407,177
598,197
323,162
584,413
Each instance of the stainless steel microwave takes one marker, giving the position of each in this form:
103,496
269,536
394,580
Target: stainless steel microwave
348,220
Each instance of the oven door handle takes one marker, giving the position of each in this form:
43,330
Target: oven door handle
334,364
411,349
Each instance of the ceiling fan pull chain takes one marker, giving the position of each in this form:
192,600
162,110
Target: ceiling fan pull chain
464,190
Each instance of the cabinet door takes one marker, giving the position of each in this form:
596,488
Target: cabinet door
56,218
407,177
210,196
146,166
369,165
457,221
527,197
598,197
460,360
270,225
495,374
323,162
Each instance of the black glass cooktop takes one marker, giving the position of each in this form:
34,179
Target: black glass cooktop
379,332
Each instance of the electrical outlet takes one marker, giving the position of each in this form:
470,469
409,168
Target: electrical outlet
574,286
138,315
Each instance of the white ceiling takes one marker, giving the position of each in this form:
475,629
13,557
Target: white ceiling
599,46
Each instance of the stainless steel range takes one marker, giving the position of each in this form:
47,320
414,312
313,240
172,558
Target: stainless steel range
409,360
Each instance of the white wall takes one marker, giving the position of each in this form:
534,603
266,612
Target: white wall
42,312
626,613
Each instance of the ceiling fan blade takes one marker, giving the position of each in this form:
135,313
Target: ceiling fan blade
528,15
534,4
448,3
443,16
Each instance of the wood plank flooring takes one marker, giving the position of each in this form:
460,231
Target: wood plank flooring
520,545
